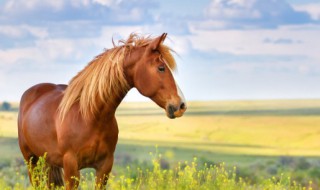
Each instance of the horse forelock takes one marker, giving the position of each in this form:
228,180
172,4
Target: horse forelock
103,79
135,40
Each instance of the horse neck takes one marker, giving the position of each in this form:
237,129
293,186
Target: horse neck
128,69
108,109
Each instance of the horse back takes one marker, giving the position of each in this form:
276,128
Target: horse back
35,96
32,94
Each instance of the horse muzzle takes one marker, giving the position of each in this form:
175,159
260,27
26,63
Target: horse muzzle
176,111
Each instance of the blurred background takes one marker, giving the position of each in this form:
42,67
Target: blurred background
250,70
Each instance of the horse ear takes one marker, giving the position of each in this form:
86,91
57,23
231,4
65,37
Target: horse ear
155,43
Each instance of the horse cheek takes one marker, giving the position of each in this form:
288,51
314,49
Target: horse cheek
145,84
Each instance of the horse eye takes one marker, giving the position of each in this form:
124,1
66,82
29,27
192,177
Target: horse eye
161,69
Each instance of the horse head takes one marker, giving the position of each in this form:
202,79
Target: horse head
151,73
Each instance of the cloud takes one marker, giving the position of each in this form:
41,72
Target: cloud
39,19
281,41
22,30
253,42
172,23
107,3
38,12
39,54
252,14
312,8
57,60
257,41
13,5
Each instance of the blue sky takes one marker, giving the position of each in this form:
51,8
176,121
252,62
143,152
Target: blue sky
228,49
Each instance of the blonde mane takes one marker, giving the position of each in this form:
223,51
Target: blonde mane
103,78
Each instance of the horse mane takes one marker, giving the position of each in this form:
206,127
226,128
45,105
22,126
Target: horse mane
103,78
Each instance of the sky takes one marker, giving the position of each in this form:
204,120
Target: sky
226,49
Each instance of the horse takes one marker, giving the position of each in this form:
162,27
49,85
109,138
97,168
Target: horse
75,124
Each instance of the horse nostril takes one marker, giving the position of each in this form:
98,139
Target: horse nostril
171,109
182,106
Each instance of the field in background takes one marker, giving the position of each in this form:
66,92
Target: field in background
259,136
267,128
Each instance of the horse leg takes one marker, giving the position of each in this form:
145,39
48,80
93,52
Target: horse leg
71,171
29,157
32,163
102,173
55,178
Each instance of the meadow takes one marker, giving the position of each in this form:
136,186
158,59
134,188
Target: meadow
262,139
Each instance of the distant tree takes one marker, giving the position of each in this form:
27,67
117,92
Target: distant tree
6,106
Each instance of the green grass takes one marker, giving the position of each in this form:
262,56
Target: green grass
272,128
185,176
236,128
261,138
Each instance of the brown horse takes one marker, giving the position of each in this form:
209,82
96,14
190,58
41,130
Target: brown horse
76,125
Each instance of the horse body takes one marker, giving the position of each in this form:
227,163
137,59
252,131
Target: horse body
53,120
93,142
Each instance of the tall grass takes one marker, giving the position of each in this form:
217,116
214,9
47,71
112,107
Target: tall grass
185,176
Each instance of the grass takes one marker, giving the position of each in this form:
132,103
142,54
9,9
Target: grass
261,135
262,138
185,176
270,128
8,124
259,128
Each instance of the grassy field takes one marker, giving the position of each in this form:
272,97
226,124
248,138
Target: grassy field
266,128
247,134
272,128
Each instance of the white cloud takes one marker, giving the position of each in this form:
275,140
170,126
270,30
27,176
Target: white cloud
48,60
11,31
104,11
252,42
57,60
48,51
275,67
32,4
241,9
12,5
117,33
39,32
12,56
50,41
253,13
18,31
107,3
286,54
180,44
313,9
135,14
